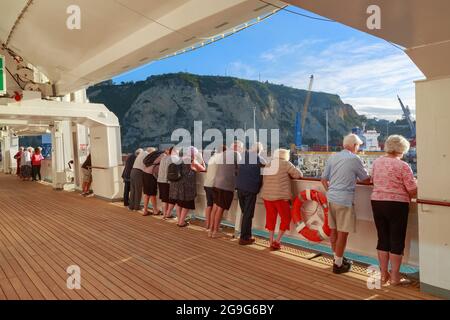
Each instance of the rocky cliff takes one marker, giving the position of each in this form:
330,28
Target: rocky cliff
150,110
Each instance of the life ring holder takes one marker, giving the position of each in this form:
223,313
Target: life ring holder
311,234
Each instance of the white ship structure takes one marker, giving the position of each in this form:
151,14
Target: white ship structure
50,56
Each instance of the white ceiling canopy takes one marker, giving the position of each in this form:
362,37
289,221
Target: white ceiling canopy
114,35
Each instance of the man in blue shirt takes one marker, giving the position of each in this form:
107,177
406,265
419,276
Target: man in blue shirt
339,178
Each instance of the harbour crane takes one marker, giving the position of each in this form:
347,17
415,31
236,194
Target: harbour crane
300,126
407,116
308,99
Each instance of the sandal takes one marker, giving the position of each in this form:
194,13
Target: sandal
275,246
183,225
159,213
385,280
216,235
402,282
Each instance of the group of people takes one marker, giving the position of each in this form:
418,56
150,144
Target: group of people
29,163
173,172
232,168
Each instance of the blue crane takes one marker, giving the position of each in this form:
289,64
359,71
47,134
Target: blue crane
300,123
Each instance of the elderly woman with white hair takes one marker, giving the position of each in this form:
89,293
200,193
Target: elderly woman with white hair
277,192
394,186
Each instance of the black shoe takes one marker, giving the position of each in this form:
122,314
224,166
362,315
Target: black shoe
245,242
345,260
342,269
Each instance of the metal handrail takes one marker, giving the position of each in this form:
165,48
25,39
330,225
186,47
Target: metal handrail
318,180
434,202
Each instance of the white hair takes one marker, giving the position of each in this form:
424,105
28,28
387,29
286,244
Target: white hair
191,150
258,147
237,143
351,140
396,144
138,151
283,154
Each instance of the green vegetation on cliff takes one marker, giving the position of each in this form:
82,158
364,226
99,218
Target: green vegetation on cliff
150,110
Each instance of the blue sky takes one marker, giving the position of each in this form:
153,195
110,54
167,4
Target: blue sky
366,72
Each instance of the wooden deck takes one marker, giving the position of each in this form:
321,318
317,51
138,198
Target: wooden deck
123,255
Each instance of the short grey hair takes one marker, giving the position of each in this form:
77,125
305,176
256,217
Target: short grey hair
396,144
257,147
237,143
283,154
352,139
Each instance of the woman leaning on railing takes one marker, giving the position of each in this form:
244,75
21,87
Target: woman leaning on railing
394,187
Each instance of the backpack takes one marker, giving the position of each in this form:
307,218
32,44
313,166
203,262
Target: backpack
174,172
150,159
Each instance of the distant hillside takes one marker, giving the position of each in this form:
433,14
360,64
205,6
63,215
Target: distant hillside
150,110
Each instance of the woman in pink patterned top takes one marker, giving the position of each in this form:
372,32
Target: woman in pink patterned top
394,186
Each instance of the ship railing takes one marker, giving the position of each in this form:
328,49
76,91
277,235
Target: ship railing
361,245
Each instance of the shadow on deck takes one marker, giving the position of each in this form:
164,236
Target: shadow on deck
123,255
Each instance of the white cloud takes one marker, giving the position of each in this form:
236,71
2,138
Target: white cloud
288,49
376,107
241,70
368,76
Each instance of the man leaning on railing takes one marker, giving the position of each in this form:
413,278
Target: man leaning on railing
339,178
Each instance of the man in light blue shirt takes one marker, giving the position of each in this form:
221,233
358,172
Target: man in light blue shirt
339,178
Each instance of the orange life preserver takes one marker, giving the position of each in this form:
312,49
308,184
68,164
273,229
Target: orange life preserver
302,228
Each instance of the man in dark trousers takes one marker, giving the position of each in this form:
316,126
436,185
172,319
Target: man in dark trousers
248,184
126,176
